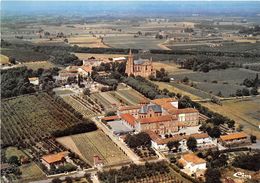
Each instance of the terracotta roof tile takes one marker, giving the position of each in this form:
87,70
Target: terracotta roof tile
233,136
161,101
52,158
191,157
87,68
110,118
124,108
128,118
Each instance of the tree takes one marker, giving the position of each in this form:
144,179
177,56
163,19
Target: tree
212,176
14,160
170,145
56,180
253,138
137,140
254,91
12,60
245,92
192,143
110,113
239,93
240,127
86,91
215,132
68,179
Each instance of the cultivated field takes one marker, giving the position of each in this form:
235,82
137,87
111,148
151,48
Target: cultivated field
243,111
95,143
176,90
129,41
170,67
87,41
29,119
228,80
85,56
87,107
125,96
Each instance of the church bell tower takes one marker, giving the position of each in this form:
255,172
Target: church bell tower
130,64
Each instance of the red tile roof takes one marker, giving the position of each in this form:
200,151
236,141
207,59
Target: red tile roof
161,101
110,118
87,68
128,118
191,157
233,136
124,108
157,119
182,111
52,158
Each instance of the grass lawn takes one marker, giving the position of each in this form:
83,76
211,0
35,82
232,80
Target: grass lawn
13,151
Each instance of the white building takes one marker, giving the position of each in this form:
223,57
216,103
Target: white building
192,163
34,80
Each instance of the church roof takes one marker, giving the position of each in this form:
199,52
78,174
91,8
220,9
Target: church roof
140,61
154,107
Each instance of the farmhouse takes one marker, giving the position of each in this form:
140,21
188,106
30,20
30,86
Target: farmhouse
55,159
192,163
234,139
85,70
140,67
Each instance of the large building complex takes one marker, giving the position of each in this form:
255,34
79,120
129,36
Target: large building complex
161,116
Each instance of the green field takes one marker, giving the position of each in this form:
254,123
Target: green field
94,143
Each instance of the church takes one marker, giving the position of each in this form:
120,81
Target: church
140,67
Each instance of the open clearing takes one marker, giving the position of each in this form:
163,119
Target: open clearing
95,143
228,81
87,41
170,67
38,64
129,41
4,59
243,111
171,88
85,56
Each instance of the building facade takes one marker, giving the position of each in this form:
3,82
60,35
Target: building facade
140,67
